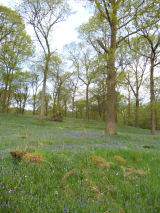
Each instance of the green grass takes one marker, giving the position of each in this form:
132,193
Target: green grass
72,181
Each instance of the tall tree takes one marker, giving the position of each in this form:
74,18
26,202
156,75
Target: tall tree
120,17
135,67
43,15
73,87
35,84
152,36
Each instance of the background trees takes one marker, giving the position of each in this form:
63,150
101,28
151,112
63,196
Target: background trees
42,16
15,48
108,74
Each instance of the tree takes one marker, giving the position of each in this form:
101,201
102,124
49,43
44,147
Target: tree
59,78
135,67
73,87
85,64
15,49
10,23
98,92
80,108
150,39
43,15
65,97
35,83
119,16
153,39
21,89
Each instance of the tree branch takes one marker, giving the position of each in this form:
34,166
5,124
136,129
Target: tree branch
102,46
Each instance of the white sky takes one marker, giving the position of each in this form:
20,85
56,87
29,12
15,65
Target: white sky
65,32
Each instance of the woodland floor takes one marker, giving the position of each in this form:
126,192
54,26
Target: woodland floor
83,169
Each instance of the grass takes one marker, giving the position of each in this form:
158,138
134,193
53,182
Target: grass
82,169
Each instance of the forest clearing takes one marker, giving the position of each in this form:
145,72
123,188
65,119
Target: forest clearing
79,106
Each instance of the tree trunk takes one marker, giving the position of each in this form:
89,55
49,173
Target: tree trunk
4,97
41,117
65,110
72,106
104,104
8,101
156,118
58,99
152,98
137,112
111,82
20,105
124,118
129,108
54,103
34,104
9,91
46,108
76,113
86,112
99,110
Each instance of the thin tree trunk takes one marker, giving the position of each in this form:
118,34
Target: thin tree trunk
76,113
124,118
4,98
46,108
8,100
156,118
65,111
129,108
99,110
54,103
58,99
73,106
152,98
137,112
9,91
44,89
86,112
104,108
34,104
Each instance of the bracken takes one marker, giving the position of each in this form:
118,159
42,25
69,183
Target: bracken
33,157
100,161
71,172
18,153
119,159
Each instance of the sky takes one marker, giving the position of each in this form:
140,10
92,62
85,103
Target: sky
64,32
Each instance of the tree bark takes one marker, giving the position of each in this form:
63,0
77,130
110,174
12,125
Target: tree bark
34,104
72,106
4,97
99,110
104,103
137,112
152,98
86,112
65,110
111,83
129,108
41,117
58,99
